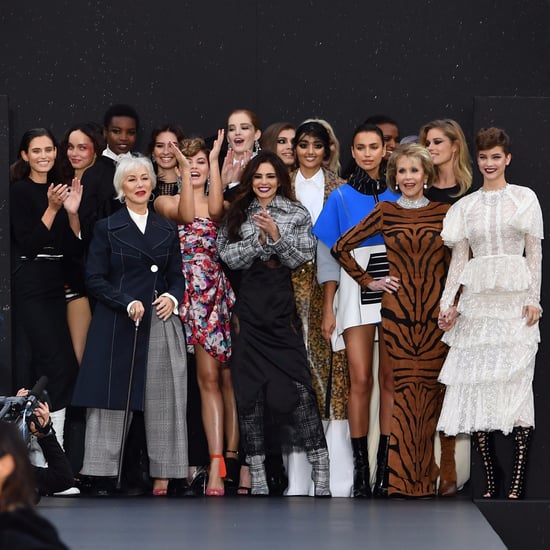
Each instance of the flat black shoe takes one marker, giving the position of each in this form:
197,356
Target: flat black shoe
102,487
178,488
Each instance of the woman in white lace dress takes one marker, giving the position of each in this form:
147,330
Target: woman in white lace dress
493,332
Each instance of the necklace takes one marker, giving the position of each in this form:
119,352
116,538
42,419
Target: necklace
408,203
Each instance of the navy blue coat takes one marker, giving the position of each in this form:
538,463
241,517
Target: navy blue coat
124,265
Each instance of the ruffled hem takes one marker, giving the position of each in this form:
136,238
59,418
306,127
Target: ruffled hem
488,365
467,409
507,273
472,333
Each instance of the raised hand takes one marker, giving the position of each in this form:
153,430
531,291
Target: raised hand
183,163
73,197
216,147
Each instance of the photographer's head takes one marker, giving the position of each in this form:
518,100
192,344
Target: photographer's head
16,477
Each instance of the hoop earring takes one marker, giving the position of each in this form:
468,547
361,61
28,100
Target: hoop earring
257,147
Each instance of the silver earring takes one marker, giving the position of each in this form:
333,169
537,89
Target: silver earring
425,185
257,147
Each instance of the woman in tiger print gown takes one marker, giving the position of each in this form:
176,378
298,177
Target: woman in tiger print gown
418,264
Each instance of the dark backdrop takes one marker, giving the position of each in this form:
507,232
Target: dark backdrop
193,62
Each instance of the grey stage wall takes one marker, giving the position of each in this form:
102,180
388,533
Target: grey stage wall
193,62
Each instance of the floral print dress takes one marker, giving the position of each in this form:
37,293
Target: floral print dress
208,299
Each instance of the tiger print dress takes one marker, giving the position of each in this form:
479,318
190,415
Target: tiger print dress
417,256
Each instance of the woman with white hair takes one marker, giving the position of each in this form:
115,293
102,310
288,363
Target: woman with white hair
134,272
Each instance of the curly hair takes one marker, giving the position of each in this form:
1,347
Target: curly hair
487,138
410,150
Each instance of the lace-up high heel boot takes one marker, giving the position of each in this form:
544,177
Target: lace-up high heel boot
484,442
382,471
361,474
522,438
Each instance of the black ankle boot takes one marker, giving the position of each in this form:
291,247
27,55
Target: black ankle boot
361,474
522,438
382,471
484,442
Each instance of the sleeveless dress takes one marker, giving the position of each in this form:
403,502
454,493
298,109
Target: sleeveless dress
417,256
208,299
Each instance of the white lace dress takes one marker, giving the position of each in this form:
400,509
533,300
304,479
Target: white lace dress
489,369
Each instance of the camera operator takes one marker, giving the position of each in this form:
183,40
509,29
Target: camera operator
58,476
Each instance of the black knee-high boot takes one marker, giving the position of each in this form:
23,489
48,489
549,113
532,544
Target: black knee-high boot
522,438
382,471
361,474
485,445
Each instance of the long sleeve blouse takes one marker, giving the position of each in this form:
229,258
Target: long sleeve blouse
503,230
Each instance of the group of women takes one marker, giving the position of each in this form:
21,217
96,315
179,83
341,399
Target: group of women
280,276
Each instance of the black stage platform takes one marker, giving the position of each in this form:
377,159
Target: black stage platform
270,523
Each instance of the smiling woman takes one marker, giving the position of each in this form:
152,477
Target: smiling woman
266,235
243,133
207,303
164,160
278,138
134,272
493,331
417,261
79,149
351,315
44,230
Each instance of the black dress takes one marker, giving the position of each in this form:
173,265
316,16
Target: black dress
38,292
268,351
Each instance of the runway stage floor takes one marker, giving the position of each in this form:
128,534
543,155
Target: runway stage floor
269,523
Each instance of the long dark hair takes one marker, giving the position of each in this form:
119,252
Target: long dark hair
20,169
19,488
175,129
352,167
315,130
90,129
237,212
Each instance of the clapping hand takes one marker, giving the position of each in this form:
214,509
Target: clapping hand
267,226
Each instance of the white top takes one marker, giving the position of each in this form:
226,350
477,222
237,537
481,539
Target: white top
311,192
113,156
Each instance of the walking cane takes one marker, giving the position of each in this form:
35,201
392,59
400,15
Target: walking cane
127,411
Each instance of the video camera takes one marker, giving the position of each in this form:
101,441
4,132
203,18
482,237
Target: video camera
20,410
